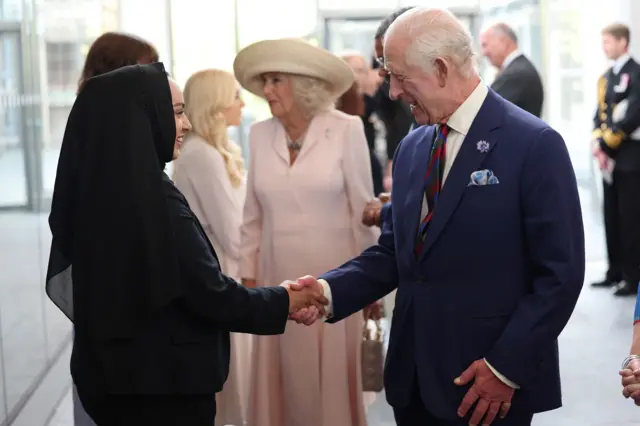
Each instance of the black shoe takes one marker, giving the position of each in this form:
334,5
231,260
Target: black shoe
605,283
626,289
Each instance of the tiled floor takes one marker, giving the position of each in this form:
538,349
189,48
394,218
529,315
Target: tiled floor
32,330
592,347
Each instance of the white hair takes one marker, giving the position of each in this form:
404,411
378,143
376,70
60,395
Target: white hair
434,33
310,94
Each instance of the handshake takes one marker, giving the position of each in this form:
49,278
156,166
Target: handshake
306,300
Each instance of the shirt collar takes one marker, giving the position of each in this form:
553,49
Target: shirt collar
463,117
510,58
620,62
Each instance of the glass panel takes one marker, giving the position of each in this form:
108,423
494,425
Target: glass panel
22,328
568,110
343,34
10,10
12,161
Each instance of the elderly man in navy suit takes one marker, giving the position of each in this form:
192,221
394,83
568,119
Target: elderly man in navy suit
485,244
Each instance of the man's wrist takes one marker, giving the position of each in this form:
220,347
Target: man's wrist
326,290
500,376
628,361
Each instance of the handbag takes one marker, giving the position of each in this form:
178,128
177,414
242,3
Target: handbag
372,357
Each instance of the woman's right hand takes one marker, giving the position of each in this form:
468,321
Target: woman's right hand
249,283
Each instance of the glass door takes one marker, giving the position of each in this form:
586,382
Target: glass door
355,31
13,173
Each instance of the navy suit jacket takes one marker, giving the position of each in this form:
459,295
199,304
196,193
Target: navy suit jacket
500,271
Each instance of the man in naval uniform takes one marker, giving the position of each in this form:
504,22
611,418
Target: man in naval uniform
617,148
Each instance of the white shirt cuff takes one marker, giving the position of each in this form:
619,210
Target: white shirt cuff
326,288
501,377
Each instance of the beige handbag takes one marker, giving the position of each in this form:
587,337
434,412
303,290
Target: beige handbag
372,359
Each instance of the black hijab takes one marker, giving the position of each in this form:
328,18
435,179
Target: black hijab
112,261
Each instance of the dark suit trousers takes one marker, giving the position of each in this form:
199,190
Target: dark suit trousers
417,415
156,410
627,184
612,232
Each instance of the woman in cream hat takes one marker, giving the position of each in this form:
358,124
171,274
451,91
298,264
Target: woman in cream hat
309,180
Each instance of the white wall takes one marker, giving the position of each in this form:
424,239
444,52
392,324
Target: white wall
149,19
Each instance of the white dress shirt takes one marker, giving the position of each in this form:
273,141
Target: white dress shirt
459,124
510,58
619,63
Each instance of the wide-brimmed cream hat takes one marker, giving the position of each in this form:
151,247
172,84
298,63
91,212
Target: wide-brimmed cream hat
291,56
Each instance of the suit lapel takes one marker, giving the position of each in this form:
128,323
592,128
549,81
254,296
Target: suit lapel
278,141
317,131
468,160
415,194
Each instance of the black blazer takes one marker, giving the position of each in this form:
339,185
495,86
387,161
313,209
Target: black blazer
520,84
395,114
620,139
184,348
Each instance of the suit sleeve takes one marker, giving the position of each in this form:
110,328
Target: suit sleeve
614,136
366,278
251,229
597,121
554,236
211,295
385,216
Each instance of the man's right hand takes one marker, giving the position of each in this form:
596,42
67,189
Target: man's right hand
303,297
371,213
307,316
600,155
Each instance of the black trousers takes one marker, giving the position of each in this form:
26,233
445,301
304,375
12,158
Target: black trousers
415,414
612,231
137,410
627,191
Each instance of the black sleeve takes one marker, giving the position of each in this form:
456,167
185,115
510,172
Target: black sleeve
213,296
614,136
397,118
597,122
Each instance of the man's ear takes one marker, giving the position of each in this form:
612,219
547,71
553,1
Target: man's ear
441,67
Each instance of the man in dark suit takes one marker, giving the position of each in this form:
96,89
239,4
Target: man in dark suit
617,147
488,268
518,80
395,115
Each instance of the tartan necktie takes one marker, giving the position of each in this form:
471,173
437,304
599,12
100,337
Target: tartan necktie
433,182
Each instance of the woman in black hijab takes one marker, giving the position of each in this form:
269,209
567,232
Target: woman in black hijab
132,267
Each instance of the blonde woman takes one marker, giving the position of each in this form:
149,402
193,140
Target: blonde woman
210,173
308,183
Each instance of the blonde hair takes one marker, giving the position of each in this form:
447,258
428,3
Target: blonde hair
207,94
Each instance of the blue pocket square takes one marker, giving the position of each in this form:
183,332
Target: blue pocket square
482,178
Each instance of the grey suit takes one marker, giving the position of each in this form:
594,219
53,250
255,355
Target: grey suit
520,84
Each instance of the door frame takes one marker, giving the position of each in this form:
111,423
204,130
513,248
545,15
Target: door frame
29,102
14,29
